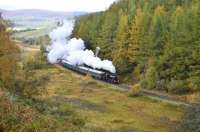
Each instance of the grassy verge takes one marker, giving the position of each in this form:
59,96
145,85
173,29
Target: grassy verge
75,104
107,109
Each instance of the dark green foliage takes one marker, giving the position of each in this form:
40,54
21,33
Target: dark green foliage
132,33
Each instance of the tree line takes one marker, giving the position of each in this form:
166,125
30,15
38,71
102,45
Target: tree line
153,42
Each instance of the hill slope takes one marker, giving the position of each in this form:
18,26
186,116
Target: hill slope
154,42
39,13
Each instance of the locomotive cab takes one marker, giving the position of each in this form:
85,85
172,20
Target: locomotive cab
112,79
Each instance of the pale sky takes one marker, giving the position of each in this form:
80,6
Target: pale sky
57,5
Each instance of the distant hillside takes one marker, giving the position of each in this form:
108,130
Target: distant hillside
1,10
39,13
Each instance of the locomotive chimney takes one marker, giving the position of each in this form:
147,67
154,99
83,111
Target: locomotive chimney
97,51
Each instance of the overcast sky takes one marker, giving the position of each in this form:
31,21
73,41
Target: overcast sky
57,5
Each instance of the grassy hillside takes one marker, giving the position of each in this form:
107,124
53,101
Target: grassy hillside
96,106
108,108
39,13
72,102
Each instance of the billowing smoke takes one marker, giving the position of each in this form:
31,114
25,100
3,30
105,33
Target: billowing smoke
73,50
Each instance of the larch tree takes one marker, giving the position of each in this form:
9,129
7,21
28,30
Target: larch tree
120,51
158,32
106,35
134,39
168,36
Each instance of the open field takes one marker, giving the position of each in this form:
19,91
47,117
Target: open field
42,29
41,25
102,106
109,109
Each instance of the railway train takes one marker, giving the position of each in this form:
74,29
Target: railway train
84,69
95,73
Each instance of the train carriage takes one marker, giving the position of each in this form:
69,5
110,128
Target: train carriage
98,74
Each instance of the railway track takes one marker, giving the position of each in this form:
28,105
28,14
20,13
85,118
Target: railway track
147,93
124,87
160,96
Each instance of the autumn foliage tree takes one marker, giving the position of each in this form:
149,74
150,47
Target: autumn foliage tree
134,40
157,39
9,54
119,53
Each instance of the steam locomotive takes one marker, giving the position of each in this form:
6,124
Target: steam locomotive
84,69
95,73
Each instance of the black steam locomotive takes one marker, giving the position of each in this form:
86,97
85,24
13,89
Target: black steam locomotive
83,69
97,74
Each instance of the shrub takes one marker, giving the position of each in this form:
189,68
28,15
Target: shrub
35,62
135,90
161,85
138,72
177,87
31,87
150,79
21,116
194,83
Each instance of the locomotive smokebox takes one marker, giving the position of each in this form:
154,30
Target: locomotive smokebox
97,51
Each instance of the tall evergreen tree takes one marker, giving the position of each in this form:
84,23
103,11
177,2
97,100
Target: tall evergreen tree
105,39
158,32
162,37
119,53
135,37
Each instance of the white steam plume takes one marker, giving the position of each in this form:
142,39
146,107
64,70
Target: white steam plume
74,50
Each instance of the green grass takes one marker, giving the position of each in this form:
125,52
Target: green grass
73,103
109,109
45,26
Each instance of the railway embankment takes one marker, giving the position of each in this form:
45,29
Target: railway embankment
157,95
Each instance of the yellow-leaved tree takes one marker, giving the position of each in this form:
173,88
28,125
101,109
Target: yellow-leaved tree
120,51
8,58
135,37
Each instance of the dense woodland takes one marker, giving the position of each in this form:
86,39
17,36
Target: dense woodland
156,43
